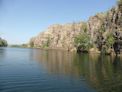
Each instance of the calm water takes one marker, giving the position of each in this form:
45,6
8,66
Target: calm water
35,70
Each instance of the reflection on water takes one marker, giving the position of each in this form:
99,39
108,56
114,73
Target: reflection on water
104,73
35,70
2,52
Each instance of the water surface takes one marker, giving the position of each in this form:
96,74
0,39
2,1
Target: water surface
35,70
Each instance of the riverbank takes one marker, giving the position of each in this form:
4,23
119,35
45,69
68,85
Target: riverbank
90,51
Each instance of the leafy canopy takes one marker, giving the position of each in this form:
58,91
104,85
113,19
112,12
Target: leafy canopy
82,40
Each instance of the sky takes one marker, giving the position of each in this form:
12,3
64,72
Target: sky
22,19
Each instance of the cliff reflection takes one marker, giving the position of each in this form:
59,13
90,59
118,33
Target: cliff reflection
102,72
57,62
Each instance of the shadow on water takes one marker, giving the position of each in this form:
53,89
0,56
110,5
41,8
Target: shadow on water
2,52
104,73
2,55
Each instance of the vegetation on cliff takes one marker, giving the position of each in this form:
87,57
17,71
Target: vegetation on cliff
82,42
98,32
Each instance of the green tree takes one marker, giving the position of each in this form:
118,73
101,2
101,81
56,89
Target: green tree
110,40
3,43
46,44
31,43
83,41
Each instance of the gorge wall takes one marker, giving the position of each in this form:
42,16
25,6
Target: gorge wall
62,36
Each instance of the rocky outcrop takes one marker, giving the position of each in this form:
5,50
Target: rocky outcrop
109,21
62,36
58,36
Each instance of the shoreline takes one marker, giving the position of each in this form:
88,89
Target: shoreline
72,51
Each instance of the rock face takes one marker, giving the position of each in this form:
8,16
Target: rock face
62,36
58,36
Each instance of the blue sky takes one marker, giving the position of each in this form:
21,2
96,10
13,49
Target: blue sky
22,19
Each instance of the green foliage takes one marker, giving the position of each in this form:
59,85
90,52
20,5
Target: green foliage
24,45
83,41
84,27
3,43
102,29
31,43
47,43
110,40
119,2
19,46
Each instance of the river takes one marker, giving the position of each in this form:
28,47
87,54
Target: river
36,70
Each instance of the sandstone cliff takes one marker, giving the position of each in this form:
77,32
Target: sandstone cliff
62,36
58,36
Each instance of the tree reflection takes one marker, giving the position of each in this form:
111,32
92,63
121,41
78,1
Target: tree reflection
104,73
2,52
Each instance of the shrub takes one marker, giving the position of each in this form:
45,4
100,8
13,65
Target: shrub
83,41
110,40
3,43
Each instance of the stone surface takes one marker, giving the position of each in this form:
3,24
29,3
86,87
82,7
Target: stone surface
62,36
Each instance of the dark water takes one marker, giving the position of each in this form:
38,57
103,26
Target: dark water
34,70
